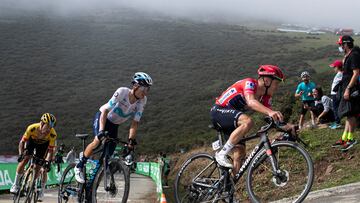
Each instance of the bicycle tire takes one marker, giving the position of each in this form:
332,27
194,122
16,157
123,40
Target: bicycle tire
119,183
185,188
31,191
68,186
295,164
23,188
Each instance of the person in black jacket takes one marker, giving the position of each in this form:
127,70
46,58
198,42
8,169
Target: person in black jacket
349,84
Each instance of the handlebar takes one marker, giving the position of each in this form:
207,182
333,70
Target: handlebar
271,123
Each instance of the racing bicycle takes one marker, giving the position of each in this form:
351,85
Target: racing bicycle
107,179
275,170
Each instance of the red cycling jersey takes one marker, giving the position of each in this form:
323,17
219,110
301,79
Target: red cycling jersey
234,96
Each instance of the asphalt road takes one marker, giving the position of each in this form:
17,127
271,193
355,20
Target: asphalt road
142,190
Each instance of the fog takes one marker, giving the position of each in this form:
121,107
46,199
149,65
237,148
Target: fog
333,13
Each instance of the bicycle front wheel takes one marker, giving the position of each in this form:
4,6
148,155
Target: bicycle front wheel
197,180
69,187
118,184
21,195
293,180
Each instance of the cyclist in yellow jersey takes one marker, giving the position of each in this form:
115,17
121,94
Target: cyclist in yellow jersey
40,136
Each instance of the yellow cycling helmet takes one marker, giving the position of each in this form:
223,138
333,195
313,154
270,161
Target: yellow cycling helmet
49,118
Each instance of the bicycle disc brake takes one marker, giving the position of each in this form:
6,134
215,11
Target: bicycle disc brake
281,179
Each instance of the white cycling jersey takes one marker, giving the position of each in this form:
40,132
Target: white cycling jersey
120,109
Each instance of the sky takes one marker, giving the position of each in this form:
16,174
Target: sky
332,13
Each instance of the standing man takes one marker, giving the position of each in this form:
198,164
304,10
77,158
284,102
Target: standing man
304,90
124,104
349,106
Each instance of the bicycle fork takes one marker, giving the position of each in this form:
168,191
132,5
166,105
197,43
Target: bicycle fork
280,177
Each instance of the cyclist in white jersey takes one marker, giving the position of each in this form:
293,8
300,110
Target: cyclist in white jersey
125,103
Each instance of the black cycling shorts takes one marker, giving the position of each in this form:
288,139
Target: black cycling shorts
310,103
225,118
110,128
41,149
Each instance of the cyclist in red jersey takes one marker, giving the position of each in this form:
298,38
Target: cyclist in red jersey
228,112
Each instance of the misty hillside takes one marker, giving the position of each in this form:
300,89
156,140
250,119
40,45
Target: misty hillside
70,66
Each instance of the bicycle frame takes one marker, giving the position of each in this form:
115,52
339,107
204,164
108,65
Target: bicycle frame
264,144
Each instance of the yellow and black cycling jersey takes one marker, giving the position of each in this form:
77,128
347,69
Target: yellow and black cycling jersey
32,132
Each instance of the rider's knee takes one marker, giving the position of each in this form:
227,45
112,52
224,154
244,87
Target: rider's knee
245,121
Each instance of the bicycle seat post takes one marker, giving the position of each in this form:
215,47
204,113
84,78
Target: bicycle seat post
83,137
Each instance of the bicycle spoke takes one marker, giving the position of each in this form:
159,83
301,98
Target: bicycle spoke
117,188
198,180
292,180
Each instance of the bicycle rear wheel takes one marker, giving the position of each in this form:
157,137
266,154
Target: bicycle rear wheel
69,187
292,183
198,180
118,187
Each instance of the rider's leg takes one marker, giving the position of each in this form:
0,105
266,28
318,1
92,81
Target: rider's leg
239,157
244,124
88,152
19,172
43,179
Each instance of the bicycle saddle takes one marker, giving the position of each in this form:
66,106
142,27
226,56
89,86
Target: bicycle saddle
82,136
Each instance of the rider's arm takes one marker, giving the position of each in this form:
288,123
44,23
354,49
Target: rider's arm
50,154
255,105
52,145
133,129
25,138
103,117
21,146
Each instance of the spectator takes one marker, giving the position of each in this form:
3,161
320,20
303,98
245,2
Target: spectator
304,90
165,169
323,108
348,106
59,156
71,156
338,68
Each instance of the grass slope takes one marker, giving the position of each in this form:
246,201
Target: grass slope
71,65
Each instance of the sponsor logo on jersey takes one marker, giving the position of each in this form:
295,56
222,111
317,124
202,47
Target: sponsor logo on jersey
227,94
52,135
116,94
249,85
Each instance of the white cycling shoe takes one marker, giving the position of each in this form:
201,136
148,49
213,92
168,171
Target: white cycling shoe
79,175
14,189
223,160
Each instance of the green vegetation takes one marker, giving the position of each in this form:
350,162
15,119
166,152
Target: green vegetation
70,66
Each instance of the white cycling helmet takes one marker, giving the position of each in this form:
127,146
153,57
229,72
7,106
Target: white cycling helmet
142,79
305,74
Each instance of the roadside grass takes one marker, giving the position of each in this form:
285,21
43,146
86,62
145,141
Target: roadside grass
331,166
